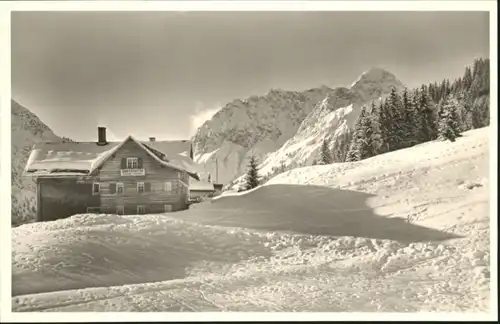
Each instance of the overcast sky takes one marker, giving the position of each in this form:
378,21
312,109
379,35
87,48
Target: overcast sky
162,73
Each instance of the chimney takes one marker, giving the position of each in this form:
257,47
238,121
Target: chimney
152,139
101,136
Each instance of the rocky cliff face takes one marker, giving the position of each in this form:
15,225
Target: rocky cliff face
27,129
258,125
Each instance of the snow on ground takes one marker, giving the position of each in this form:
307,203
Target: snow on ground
406,231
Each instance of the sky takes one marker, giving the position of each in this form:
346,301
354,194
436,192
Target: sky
163,74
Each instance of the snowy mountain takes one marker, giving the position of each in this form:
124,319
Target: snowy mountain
261,125
27,129
257,125
332,119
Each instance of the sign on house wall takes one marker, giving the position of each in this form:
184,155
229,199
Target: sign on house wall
132,172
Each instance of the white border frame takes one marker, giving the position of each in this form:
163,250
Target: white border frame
5,236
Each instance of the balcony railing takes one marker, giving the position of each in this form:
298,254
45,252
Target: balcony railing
132,172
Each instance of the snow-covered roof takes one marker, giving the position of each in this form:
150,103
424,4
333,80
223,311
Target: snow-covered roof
195,185
76,158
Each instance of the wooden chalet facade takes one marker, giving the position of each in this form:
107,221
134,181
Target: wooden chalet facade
130,177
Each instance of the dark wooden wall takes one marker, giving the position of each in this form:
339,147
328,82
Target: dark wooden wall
61,198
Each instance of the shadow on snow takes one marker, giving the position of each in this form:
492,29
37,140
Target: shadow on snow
314,210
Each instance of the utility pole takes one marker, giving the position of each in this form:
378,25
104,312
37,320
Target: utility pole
216,170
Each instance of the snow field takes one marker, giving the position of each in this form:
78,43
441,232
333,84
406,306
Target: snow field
264,250
313,273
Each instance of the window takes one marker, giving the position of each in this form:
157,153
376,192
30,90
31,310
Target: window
119,188
141,209
140,187
96,188
120,210
168,186
132,163
168,208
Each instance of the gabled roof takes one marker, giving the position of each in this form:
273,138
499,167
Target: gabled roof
80,158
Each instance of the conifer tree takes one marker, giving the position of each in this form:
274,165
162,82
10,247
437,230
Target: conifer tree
467,79
371,129
449,121
479,93
445,129
325,156
447,88
458,86
455,111
410,116
480,113
396,126
465,107
252,177
431,90
384,122
354,152
428,126
418,117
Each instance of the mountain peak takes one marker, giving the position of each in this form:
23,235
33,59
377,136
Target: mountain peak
376,81
374,74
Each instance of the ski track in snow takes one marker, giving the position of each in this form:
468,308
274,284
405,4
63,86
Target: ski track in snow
187,262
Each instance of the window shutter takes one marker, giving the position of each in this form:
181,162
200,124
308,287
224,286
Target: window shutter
124,163
139,163
112,188
147,186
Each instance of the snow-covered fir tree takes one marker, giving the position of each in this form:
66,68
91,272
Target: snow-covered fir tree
252,177
479,93
467,79
428,125
445,130
410,120
383,122
417,118
463,98
358,136
367,140
325,155
396,122
449,120
372,144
